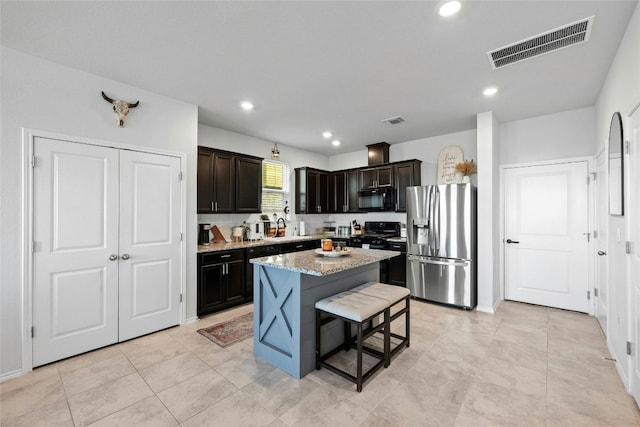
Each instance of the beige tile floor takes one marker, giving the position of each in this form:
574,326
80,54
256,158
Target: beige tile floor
525,365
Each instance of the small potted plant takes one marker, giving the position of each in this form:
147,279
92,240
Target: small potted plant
466,168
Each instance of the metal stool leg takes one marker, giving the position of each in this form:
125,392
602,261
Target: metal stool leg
359,365
317,339
407,320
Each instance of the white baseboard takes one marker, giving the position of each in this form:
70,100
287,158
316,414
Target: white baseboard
621,372
11,374
191,320
486,309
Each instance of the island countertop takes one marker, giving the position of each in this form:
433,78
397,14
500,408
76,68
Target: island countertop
308,262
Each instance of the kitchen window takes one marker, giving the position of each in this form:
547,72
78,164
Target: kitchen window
275,185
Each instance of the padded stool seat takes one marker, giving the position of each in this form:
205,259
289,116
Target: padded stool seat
393,295
359,309
352,306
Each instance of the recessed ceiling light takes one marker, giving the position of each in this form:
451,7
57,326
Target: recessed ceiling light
335,142
448,7
490,91
246,105
326,134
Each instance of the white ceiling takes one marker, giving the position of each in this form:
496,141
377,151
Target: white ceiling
343,66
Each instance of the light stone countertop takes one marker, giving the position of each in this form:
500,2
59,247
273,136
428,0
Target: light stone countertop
227,246
308,262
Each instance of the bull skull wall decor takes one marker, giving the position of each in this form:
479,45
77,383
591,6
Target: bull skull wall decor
120,108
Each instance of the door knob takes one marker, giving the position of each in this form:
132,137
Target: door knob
512,241
602,253
113,257
125,256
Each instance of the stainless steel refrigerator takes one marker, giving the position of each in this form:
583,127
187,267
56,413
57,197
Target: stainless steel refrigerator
441,244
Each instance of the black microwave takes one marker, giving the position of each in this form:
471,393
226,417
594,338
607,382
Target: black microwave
380,199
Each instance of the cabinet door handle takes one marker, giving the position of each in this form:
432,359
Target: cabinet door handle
216,209
212,208
125,256
113,257
298,246
225,256
512,241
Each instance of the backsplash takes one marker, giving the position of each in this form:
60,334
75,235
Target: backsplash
313,223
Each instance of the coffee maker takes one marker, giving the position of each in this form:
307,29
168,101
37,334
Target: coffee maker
203,236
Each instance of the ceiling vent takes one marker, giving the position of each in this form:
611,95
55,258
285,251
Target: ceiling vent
559,38
393,120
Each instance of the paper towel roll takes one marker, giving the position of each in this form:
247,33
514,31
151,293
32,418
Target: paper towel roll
302,232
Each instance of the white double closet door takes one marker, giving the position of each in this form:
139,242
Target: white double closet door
107,251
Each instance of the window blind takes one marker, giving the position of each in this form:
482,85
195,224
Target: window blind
275,186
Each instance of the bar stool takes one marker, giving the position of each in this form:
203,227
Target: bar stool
393,295
354,309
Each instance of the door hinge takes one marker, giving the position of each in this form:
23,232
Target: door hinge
33,331
594,175
33,246
595,292
588,180
626,147
33,161
180,297
629,348
588,295
181,236
627,247
595,234
180,176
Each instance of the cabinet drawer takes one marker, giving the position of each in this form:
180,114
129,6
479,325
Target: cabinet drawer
399,247
298,246
260,251
218,257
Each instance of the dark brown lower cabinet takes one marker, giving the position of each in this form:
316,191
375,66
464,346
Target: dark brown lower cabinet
256,252
394,270
225,278
221,281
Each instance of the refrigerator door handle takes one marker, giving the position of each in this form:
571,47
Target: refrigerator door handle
449,262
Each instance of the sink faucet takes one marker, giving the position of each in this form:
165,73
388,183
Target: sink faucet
284,225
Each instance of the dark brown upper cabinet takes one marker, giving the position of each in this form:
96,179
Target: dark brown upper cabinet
378,177
228,182
312,191
248,184
345,186
405,175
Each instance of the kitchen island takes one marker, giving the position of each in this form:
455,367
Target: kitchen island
286,288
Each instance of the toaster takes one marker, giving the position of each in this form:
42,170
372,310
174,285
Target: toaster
255,231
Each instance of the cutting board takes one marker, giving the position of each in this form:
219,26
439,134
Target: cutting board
217,235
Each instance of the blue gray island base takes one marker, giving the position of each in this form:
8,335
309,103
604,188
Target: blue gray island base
284,313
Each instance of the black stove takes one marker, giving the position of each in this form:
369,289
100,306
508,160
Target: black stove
375,235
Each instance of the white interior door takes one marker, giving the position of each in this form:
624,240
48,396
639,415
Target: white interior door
150,267
601,240
75,284
634,229
546,221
